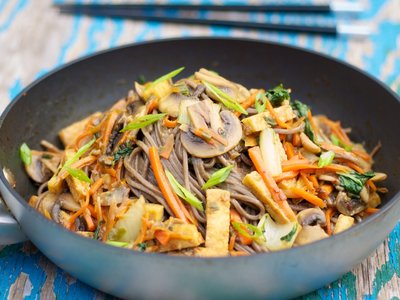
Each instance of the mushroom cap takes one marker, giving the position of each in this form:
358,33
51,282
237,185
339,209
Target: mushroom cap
232,132
349,206
311,216
36,170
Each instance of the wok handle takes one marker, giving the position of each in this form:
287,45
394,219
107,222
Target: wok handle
10,231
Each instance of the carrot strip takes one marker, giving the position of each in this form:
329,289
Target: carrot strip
371,210
372,185
355,167
91,209
328,215
80,138
289,149
314,181
199,132
163,183
168,147
274,115
276,193
122,140
151,105
89,221
296,140
118,170
112,118
307,182
217,137
163,236
235,217
83,162
325,190
248,102
169,123
238,253
110,171
96,185
308,196
72,218
286,175
232,242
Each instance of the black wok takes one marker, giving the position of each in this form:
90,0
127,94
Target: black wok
94,83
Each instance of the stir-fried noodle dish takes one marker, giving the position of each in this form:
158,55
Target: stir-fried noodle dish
203,166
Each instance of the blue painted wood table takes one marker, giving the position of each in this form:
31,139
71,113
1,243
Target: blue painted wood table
35,39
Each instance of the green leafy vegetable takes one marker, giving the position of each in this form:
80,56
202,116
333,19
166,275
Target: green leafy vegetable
326,159
183,192
303,112
25,154
142,246
119,244
166,77
224,98
82,150
337,142
289,236
277,95
78,174
218,177
353,182
142,122
257,233
123,150
141,79
260,102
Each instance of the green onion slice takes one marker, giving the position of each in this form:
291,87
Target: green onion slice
78,174
260,107
166,77
224,98
239,228
25,154
217,177
326,159
183,193
142,122
82,150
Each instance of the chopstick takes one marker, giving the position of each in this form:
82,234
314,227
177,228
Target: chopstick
349,7
157,12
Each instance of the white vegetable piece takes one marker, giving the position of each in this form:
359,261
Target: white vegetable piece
343,223
272,151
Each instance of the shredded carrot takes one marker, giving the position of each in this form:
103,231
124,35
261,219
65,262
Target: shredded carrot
371,210
166,189
308,196
274,115
167,122
89,221
83,162
277,194
83,135
363,155
142,232
289,149
238,253
168,147
304,166
248,102
72,218
151,105
235,217
286,175
110,171
372,185
314,181
312,123
118,170
354,167
328,215
112,118
217,137
232,241
163,236
325,190
96,185
205,136
91,209
296,140
307,183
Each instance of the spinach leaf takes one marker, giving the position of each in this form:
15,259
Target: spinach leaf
303,109
123,150
353,182
277,95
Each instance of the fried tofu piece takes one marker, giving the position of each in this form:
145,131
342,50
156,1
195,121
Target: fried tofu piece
255,183
218,222
182,235
69,134
154,212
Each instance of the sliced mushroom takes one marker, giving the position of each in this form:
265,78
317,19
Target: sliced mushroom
235,90
68,202
311,217
46,203
308,144
36,170
231,131
118,195
170,103
349,206
310,234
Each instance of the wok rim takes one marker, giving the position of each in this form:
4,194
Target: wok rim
105,247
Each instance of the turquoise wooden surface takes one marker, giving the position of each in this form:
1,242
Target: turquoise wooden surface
34,40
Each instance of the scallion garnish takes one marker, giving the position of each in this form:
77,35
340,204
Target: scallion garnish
224,98
82,150
25,154
183,193
119,244
218,177
326,159
142,122
239,228
165,77
78,174
261,102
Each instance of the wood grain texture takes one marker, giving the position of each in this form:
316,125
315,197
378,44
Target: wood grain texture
35,39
